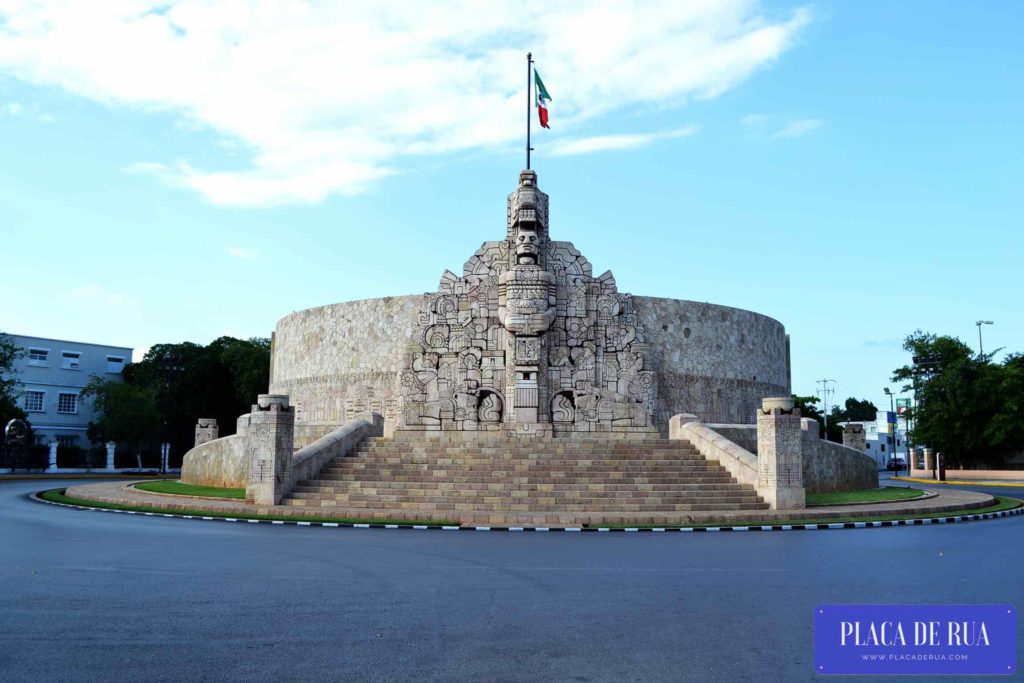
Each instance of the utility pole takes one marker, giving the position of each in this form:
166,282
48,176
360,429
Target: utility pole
825,391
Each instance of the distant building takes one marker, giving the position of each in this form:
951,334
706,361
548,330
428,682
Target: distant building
52,374
880,444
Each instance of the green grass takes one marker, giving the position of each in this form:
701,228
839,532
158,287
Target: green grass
883,495
57,496
1000,505
181,489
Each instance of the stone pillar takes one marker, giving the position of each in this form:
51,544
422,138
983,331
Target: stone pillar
269,445
111,449
853,437
53,456
780,454
206,430
916,466
929,462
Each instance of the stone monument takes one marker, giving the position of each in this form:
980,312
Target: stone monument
527,340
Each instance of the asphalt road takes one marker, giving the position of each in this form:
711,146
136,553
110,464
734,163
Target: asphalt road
98,596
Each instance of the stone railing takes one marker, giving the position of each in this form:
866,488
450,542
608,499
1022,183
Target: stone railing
308,461
827,466
270,468
738,461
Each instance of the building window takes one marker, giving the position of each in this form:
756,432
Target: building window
70,359
115,363
67,403
882,445
38,356
64,441
897,442
34,401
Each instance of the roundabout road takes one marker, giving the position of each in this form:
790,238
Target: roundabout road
101,596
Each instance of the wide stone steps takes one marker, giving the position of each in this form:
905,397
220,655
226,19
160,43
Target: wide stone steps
448,506
322,486
471,475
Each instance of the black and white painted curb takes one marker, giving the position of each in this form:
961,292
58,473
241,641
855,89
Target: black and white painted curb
437,527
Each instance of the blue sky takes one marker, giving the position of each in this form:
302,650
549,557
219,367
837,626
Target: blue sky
853,170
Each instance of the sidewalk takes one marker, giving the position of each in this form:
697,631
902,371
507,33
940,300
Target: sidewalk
1011,483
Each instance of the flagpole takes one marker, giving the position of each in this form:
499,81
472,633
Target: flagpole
529,73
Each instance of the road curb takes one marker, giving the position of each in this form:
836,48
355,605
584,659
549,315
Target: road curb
919,521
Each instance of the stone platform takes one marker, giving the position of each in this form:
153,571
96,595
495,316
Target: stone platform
946,501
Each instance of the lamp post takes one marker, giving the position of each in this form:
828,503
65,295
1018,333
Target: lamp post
892,437
981,351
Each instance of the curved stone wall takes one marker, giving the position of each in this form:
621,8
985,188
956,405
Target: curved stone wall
716,362
343,359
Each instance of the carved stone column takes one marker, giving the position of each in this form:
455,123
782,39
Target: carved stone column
111,449
853,437
780,454
53,455
929,461
206,430
269,445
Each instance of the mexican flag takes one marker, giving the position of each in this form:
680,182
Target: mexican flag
542,99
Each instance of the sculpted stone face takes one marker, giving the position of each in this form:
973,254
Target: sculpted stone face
527,246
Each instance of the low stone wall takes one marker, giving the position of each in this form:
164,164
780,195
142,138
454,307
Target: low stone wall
827,466
984,475
835,467
220,463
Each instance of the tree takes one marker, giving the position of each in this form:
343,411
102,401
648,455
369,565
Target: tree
967,406
9,408
189,381
126,413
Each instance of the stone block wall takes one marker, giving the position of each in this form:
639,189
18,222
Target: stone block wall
338,361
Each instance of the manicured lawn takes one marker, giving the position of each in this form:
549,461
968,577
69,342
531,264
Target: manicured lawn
57,496
882,495
190,489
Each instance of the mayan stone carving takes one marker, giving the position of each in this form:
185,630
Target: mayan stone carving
269,447
528,340
780,454
206,430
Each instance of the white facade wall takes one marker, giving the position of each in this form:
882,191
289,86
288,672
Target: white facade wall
880,445
52,373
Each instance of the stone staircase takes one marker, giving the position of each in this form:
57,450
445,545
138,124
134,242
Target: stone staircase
497,479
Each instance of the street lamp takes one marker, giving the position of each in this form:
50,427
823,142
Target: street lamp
892,437
981,351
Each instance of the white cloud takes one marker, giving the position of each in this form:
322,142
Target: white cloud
241,252
602,143
754,120
97,296
798,128
329,97
12,108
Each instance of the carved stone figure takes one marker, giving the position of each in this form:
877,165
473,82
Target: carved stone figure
528,321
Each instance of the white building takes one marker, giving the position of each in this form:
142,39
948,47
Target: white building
880,443
52,373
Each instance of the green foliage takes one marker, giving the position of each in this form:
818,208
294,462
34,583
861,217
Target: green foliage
882,495
968,407
9,408
855,410
126,413
187,381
